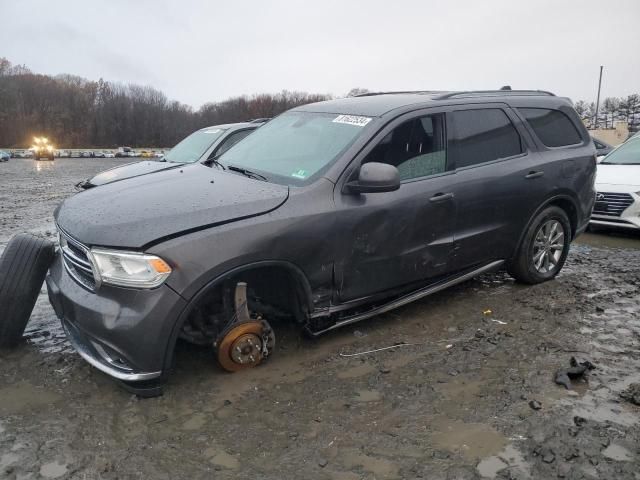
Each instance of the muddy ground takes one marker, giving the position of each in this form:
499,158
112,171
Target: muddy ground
456,402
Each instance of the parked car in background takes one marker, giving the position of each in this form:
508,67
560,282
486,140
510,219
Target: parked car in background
199,146
4,156
98,154
125,152
618,188
75,154
109,155
602,148
158,154
330,214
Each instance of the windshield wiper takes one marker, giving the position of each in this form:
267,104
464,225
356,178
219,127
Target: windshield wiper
214,161
248,173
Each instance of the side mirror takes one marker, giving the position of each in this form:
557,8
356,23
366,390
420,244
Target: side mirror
375,177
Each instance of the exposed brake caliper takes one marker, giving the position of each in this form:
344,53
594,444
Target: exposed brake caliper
246,341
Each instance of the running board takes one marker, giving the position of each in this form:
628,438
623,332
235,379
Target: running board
412,297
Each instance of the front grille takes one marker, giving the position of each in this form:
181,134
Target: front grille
612,204
76,260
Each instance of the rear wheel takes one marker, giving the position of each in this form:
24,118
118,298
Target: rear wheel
544,247
23,267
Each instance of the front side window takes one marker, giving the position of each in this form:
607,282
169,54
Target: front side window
296,145
482,135
552,127
194,146
416,148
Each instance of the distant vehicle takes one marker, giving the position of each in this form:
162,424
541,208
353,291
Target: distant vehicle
618,188
42,149
146,154
98,154
86,154
109,155
125,152
75,154
602,148
201,145
158,154
4,156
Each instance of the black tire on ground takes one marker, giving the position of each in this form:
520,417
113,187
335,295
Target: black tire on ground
23,266
522,266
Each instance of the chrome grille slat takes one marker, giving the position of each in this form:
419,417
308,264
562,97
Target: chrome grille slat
612,204
76,261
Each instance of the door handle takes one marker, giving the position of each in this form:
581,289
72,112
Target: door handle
534,174
441,197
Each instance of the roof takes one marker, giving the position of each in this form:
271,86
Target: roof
378,104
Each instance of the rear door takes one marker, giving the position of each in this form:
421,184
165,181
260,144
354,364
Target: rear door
495,181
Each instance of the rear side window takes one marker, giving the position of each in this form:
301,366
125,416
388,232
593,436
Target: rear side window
552,127
482,135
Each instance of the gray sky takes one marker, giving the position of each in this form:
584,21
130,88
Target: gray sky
198,51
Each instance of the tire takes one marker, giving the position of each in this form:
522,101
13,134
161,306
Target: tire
23,266
536,259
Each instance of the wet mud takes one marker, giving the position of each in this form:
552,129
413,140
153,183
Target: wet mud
455,402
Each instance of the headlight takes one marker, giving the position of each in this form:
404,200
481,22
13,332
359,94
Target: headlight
129,269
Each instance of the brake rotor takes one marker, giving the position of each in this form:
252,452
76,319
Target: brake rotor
245,345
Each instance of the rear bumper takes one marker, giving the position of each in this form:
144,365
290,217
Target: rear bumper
124,333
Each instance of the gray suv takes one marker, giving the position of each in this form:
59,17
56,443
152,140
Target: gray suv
329,214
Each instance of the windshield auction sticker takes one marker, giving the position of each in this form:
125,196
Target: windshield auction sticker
212,131
352,120
302,174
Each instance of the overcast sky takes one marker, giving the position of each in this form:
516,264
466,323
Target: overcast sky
198,50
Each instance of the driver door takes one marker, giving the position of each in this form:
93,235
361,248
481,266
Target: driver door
396,239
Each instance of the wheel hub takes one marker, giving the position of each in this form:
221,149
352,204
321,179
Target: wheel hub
246,349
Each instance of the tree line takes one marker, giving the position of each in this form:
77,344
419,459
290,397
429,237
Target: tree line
75,112
611,109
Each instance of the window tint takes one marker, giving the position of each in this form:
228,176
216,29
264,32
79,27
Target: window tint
416,148
483,135
552,127
231,140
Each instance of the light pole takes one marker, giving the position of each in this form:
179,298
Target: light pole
595,120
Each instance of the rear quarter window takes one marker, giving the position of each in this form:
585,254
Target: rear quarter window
553,127
482,135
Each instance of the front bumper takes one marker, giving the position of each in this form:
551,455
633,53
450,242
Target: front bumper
629,218
123,332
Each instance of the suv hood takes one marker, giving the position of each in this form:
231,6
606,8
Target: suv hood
618,175
146,209
126,171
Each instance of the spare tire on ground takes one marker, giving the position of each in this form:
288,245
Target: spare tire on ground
23,266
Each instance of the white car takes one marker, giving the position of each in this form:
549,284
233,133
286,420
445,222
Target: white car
618,188
109,155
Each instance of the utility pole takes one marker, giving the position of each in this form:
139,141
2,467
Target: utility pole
595,120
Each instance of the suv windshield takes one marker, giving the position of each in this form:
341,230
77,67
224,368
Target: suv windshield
296,145
194,146
626,154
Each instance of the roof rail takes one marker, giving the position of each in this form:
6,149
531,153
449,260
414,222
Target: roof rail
401,92
472,93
